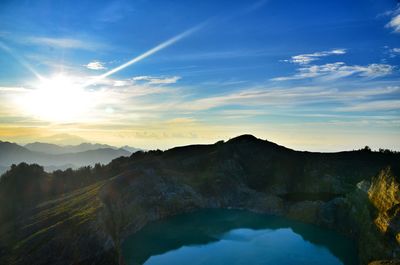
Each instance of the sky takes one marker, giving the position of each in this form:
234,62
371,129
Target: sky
310,75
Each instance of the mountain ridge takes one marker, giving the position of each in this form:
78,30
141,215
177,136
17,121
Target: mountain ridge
332,190
50,148
12,153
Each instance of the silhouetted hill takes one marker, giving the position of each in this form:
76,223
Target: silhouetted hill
262,163
355,193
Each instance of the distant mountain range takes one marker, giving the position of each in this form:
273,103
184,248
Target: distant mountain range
57,149
131,149
54,157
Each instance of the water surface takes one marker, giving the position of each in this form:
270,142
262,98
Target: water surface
211,237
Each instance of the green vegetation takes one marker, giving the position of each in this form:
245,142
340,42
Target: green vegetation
24,186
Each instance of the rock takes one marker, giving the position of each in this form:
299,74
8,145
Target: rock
385,262
306,211
384,194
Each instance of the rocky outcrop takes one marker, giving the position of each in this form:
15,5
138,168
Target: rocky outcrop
384,194
352,214
385,262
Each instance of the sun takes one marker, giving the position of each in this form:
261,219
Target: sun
59,99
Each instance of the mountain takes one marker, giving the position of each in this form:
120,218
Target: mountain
355,193
131,149
57,157
62,139
10,152
44,148
57,149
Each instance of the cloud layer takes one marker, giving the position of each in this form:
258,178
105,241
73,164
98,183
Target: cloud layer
152,80
338,70
95,65
310,57
64,43
394,22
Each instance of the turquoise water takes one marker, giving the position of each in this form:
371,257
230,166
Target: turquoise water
211,237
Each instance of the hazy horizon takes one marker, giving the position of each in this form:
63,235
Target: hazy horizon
324,78
76,141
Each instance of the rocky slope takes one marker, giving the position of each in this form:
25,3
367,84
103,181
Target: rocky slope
354,193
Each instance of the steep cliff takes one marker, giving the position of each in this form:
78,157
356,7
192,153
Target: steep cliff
384,195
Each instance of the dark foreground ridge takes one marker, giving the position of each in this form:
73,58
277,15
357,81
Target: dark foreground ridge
85,222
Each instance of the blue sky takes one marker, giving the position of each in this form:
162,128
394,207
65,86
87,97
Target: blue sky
315,75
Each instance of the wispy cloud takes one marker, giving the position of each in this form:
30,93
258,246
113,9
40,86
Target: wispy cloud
176,121
379,105
117,90
394,22
219,54
114,11
311,57
157,80
337,70
12,89
59,42
394,52
144,81
127,99
284,97
96,65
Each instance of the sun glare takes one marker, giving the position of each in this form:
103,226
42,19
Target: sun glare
57,99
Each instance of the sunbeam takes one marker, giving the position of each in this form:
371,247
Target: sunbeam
20,60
